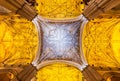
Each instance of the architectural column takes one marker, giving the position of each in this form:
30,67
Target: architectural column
96,7
91,75
27,73
20,7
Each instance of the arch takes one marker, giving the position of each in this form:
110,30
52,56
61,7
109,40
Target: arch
45,63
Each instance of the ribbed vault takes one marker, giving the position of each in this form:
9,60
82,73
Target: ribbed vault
18,41
101,40
59,39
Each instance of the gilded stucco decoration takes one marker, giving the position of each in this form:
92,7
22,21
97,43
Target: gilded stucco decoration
18,41
59,72
59,9
101,42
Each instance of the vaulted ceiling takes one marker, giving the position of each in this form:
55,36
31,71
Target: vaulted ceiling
101,41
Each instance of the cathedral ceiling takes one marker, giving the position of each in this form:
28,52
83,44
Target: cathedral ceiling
100,39
18,37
